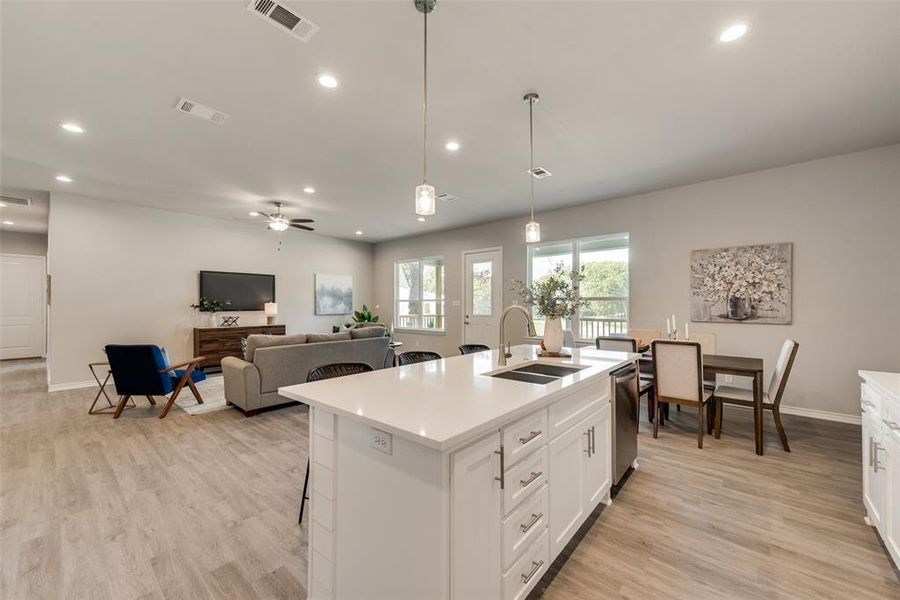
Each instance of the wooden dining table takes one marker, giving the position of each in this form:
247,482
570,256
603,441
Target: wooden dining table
719,364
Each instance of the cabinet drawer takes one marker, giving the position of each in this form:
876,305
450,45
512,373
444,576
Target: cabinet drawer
527,571
569,411
523,526
871,400
523,478
524,436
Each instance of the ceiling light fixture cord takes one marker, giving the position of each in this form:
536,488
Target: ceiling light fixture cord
425,104
531,143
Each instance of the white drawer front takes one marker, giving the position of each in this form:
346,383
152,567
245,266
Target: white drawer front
528,570
569,411
523,478
524,436
523,526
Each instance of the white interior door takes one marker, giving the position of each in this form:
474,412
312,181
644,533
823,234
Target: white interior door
483,296
22,310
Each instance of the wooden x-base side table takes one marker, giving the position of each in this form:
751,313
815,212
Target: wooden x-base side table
92,366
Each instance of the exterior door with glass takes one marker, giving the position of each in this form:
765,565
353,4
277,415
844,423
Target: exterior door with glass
482,296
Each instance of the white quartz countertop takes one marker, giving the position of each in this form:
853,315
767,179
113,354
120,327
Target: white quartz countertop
444,403
888,383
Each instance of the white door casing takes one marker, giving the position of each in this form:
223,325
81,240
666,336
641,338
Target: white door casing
482,295
22,306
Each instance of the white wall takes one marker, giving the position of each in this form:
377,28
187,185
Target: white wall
841,213
126,274
14,242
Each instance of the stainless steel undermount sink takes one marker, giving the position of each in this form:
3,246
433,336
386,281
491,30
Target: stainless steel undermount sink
540,373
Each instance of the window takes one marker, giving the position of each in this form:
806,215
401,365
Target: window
605,286
419,294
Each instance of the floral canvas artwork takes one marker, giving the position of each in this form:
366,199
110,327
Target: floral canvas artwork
742,284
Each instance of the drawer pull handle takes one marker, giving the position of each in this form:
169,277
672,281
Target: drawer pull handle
869,404
502,478
535,517
876,465
893,426
535,567
530,480
590,446
529,437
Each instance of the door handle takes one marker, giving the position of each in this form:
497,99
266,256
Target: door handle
593,440
876,465
502,478
535,567
890,424
588,434
529,437
871,452
535,517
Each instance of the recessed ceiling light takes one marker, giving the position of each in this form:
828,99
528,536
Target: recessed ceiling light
309,189
358,232
733,33
253,213
421,219
452,146
329,81
72,127
8,223
64,178
2,205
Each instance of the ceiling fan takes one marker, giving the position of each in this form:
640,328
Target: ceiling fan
279,222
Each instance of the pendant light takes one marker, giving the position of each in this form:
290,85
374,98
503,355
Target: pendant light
532,227
425,196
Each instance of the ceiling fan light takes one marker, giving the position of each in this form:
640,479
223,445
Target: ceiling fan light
278,225
532,232
425,200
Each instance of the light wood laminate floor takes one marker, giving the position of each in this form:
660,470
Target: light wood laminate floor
206,507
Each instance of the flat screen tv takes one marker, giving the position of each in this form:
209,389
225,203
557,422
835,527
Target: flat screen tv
245,291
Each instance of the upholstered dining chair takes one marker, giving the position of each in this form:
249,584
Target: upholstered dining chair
331,371
707,346
726,394
678,378
473,348
143,370
417,356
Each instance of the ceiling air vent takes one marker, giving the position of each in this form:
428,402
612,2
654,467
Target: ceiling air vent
15,200
199,110
284,18
540,172
445,197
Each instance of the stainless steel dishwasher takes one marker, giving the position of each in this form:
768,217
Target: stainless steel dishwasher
626,412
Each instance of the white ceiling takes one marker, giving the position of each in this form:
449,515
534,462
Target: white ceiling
634,97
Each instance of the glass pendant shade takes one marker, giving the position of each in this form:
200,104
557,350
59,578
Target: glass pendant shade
425,200
532,232
278,225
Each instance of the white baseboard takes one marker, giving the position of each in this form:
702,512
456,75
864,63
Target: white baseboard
75,385
823,415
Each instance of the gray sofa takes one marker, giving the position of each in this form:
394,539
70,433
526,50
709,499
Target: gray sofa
273,361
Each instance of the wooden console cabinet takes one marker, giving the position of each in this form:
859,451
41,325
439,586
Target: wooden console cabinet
215,343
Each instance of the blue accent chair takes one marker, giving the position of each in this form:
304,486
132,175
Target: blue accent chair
143,370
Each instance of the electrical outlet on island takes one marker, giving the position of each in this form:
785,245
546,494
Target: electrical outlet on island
381,440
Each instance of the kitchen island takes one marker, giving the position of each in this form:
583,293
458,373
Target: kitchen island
454,478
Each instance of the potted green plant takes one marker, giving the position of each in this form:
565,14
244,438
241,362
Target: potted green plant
364,315
211,306
555,296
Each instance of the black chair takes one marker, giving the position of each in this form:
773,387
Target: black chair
318,374
473,348
411,358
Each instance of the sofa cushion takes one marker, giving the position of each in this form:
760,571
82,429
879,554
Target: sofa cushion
315,338
366,332
262,340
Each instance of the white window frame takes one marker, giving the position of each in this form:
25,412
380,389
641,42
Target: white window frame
442,298
576,266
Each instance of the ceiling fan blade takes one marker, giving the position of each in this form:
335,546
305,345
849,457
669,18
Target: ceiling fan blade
302,227
302,221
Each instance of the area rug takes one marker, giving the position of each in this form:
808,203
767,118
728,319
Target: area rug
212,389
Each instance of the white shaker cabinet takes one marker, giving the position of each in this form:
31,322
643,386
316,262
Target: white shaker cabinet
880,408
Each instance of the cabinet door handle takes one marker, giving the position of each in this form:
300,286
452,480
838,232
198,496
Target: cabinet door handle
530,480
535,567
529,437
588,434
893,426
876,465
535,517
869,404
502,478
593,440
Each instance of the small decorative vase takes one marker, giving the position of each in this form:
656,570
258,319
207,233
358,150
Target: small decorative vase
553,335
212,320
738,308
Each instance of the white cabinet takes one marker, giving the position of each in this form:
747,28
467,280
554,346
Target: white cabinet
880,407
475,520
580,468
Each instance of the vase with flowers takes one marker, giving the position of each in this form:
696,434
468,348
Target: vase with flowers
211,307
555,297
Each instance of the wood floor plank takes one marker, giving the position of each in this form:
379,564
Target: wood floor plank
206,507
